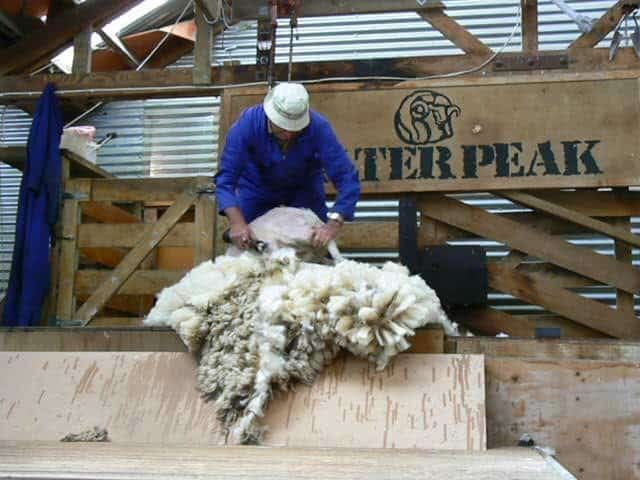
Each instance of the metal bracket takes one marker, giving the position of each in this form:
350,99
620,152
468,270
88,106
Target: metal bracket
75,196
548,332
68,323
531,62
206,189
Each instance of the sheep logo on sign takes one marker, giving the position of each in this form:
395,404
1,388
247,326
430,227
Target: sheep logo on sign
425,117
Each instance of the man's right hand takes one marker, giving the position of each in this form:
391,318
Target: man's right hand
242,236
240,233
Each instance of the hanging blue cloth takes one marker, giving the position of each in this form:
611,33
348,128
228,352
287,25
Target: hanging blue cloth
30,277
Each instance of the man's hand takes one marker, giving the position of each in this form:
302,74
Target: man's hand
242,236
240,233
323,234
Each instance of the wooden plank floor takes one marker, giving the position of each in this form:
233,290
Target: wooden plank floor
105,461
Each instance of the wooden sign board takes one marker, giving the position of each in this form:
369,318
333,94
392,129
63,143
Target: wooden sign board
420,401
479,136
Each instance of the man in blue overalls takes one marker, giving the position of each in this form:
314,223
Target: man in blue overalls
276,154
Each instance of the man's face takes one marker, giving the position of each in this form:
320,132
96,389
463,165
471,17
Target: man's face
282,134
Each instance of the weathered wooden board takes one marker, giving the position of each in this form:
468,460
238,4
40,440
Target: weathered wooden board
76,339
423,401
587,410
129,335
549,349
483,136
63,461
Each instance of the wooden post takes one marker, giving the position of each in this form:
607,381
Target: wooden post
205,229
68,266
529,26
82,51
202,49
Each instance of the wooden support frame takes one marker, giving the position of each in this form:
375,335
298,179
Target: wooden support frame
453,31
58,32
127,244
604,25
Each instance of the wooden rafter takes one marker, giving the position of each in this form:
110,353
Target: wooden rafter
58,33
455,32
251,9
115,44
174,81
604,25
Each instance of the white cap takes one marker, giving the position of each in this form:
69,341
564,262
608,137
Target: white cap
287,106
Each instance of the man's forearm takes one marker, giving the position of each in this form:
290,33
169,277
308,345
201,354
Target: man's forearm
235,216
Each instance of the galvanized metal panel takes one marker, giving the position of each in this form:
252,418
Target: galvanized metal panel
14,130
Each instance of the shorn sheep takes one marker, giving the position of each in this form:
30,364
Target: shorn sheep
262,322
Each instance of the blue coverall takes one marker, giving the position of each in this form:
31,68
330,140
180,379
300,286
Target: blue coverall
257,176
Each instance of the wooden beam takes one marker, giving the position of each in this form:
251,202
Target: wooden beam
487,321
141,282
79,339
252,9
130,234
58,33
455,32
115,44
546,293
108,257
531,241
529,200
179,81
142,189
105,212
120,275
82,51
604,25
203,47
529,25
204,229
551,349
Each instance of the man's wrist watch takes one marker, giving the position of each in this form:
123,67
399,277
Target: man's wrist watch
336,217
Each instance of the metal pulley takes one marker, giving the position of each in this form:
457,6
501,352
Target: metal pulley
266,41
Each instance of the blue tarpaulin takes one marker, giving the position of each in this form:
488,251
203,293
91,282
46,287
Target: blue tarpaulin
37,214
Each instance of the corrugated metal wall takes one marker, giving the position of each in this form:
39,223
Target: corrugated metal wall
14,130
179,137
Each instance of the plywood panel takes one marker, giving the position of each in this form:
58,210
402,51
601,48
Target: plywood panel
425,401
60,461
419,402
586,409
484,136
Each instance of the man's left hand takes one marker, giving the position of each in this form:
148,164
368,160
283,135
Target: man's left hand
323,234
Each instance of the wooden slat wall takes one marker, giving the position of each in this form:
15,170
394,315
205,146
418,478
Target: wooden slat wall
133,240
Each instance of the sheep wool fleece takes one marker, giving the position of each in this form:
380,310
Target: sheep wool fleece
261,323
